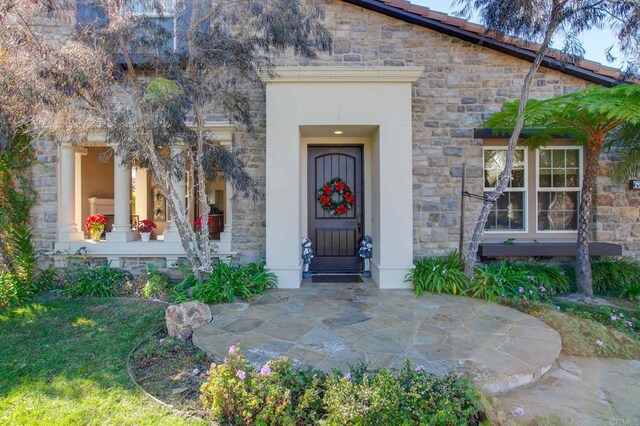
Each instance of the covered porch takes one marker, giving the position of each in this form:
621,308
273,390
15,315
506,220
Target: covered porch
92,180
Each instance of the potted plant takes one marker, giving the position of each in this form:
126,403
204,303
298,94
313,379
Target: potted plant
145,228
94,225
198,225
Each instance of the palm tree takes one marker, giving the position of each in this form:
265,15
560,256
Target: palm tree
624,143
589,116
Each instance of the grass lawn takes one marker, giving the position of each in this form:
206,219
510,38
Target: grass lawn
64,362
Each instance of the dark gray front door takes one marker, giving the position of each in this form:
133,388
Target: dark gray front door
335,237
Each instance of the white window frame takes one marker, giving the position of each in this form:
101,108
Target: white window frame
559,189
153,13
524,190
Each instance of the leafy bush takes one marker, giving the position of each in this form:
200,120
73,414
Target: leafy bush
235,394
22,279
24,260
17,195
632,292
614,274
101,281
8,292
227,282
438,275
554,278
497,279
157,284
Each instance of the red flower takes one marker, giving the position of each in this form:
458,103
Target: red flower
327,190
339,186
198,222
324,200
146,225
95,222
348,197
342,209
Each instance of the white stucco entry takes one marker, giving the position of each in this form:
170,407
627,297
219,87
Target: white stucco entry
375,97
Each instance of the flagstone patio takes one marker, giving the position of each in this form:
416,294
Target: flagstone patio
330,325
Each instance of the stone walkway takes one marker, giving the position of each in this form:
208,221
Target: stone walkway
581,391
330,325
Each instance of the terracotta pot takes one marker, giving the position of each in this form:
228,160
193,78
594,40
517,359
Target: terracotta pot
95,234
145,236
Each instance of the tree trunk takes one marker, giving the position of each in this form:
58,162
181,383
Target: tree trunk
584,280
505,177
205,260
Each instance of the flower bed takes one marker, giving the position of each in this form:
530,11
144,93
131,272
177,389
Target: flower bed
278,393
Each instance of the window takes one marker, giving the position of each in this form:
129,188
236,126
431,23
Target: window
509,210
559,183
160,13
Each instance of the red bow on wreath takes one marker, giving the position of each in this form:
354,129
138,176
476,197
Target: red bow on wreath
344,200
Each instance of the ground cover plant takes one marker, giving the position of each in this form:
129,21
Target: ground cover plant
100,281
277,393
64,362
532,280
584,329
438,275
226,282
612,275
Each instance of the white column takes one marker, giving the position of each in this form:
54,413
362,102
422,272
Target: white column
225,236
121,203
67,226
177,154
142,191
78,187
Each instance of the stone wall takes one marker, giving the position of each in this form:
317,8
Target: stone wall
461,86
44,215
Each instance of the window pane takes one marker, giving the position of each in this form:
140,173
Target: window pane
494,162
558,179
491,222
557,211
508,212
545,158
558,158
545,178
518,159
573,158
573,178
518,179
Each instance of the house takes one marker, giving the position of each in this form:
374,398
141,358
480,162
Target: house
395,112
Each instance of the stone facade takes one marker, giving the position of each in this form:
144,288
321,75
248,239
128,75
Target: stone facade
461,86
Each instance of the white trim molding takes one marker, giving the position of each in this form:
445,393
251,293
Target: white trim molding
376,98
343,74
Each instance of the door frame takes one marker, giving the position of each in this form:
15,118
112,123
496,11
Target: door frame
366,144
363,210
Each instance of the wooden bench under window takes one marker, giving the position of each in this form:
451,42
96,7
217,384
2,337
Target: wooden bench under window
498,250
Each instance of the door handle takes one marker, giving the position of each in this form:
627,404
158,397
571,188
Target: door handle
359,219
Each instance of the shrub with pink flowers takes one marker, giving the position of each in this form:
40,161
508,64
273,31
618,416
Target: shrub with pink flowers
276,393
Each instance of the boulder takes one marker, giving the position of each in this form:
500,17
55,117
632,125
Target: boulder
182,319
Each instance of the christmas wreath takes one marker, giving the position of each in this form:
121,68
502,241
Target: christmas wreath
336,205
